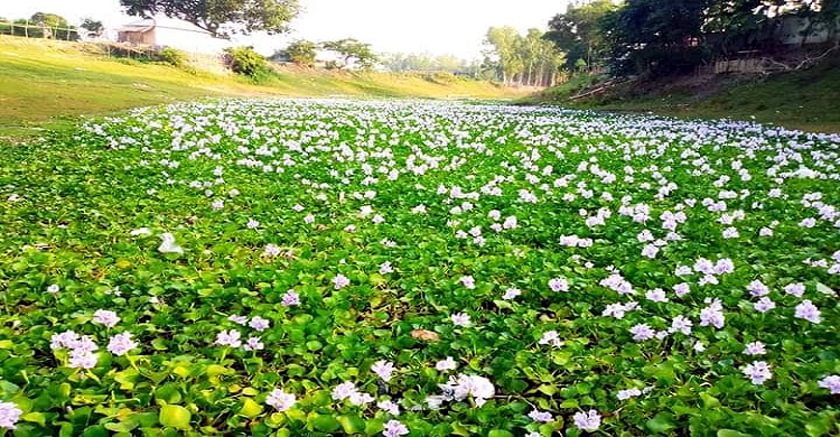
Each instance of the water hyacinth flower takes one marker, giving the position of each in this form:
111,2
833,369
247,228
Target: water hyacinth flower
168,244
558,284
281,400
764,305
9,415
461,319
394,428
120,344
808,311
712,315
106,317
53,289
755,348
259,323
552,338
383,369
340,281
291,298
385,268
229,338
642,332
588,421
540,416
389,407
446,365
758,372
831,383
253,344
468,282
627,394
463,386
511,293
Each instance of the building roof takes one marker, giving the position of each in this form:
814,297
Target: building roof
141,26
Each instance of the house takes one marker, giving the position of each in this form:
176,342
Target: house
170,32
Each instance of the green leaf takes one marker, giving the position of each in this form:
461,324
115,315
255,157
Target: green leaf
351,424
175,416
35,417
662,422
499,433
250,408
324,423
730,433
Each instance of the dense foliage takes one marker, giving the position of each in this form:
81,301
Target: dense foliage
301,52
522,60
312,268
662,37
246,61
352,52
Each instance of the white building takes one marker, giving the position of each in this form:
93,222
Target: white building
169,32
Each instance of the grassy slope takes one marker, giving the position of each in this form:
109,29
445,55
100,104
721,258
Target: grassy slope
46,83
808,99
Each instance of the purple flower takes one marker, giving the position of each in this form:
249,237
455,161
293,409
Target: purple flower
394,428
253,344
831,382
764,304
281,400
807,311
588,421
757,288
340,281
540,416
758,372
796,289
460,319
259,323
681,324
9,415
642,332
383,369
229,338
291,298
712,315
105,317
755,348
120,344
558,284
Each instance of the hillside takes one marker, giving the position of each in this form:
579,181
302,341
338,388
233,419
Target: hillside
806,99
45,82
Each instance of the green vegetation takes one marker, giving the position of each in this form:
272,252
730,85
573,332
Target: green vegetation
418,269
53,82
804,99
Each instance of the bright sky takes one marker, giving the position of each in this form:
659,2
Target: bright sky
436,26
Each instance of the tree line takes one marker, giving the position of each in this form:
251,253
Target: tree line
661,37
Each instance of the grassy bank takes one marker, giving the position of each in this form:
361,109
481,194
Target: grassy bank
44,83
804,100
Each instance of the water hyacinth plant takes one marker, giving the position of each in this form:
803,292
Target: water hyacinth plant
306,267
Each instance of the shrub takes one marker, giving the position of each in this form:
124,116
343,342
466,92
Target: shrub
173,57
247,62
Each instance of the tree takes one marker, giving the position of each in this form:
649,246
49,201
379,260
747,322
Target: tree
577,32
93,28
222,17
52,26
352,51
506,43
301,52
655,36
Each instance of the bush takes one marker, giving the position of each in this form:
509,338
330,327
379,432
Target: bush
247,62
173,57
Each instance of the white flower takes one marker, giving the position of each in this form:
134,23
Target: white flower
281,400
168,245
140,232
340,281
120,344
9,415
105,317
460,319
383,369
53,289
446,365
558,284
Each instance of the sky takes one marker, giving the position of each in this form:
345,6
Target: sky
455,27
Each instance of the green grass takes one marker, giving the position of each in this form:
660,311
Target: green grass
48,83
805,100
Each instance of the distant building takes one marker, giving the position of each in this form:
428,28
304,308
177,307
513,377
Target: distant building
168,32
